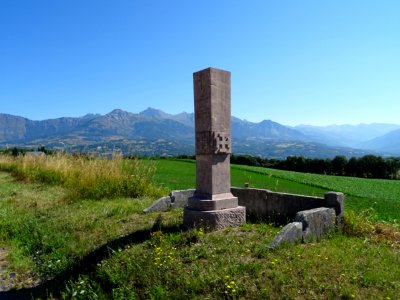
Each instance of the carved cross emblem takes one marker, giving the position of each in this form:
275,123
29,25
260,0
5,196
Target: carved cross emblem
221,143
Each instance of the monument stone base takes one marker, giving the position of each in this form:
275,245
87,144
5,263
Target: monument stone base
214,219
212,202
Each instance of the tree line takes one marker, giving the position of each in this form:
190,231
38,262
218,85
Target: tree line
368,166
22,151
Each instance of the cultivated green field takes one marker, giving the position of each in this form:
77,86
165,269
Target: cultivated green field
380,197
83,235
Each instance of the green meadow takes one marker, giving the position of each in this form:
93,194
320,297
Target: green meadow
75,228
381,198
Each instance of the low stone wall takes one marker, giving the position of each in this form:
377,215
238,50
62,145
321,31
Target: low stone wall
309,218
263,204
281,207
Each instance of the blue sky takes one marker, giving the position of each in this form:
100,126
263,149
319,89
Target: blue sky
293,62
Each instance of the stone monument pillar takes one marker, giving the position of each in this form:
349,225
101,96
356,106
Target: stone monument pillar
213,206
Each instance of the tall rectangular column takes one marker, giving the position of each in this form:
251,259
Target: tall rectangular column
213,204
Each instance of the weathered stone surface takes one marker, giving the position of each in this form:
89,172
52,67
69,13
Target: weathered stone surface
291,233
180,198
212,112
216,219
212,174
219,201
317,222
336,200
279,207
213,202
264,204
212,102
162,204
283,207
212,142
314,223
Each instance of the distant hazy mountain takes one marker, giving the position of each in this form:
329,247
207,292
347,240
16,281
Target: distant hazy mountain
389,142
153,132
346,135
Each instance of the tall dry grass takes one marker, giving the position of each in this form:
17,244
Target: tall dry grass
93,178
366,224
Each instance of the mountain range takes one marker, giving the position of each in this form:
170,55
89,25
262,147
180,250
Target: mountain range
154,132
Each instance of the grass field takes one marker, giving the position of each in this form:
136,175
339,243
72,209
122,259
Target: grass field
180,174
46,233
380,197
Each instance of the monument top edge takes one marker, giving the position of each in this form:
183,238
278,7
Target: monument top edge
210,69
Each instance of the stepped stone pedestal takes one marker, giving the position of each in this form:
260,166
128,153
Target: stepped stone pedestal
213,206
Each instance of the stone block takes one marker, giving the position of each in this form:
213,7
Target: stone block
336,200
214,220
219,201
212,105
213,174
291,234
317,222
180,198
162,204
